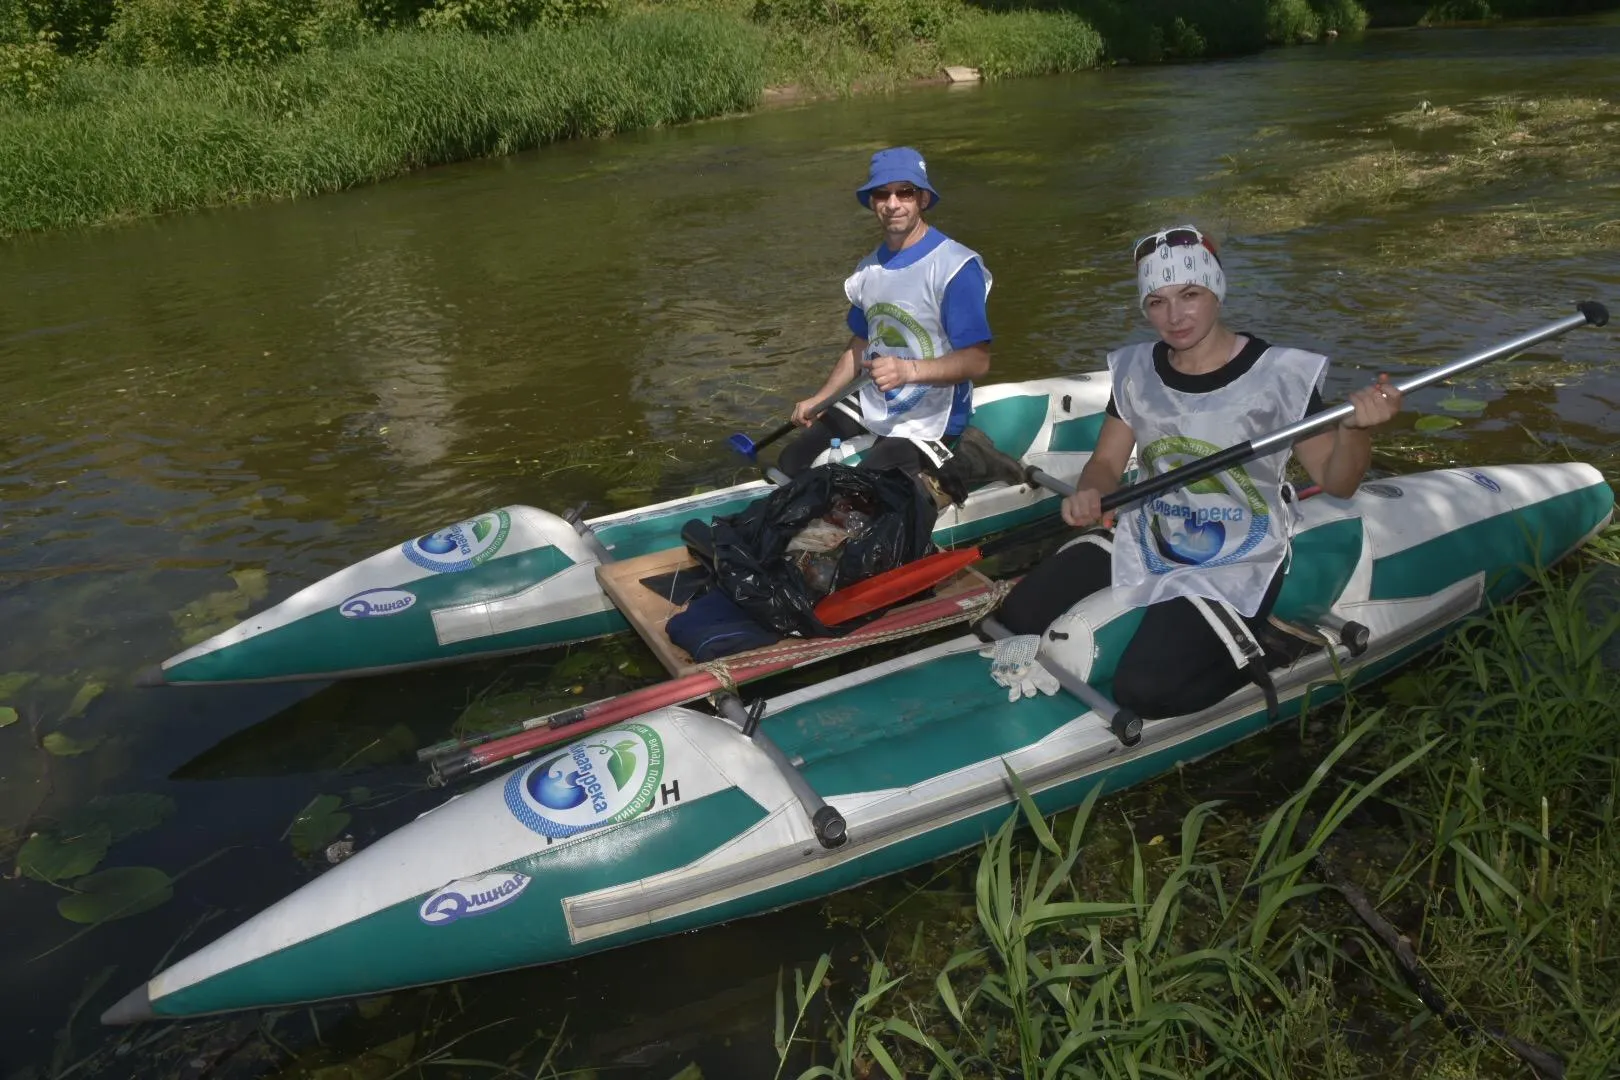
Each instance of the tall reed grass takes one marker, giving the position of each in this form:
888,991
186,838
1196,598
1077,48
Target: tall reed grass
1476,807
121,142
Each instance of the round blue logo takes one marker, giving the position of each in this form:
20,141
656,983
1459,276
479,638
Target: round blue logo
604,780
557,784
438,543
461,546
1186,542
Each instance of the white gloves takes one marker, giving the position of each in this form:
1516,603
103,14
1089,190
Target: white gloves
1013,665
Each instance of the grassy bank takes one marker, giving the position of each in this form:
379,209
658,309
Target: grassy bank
99,141
110,111
1437,899
119,142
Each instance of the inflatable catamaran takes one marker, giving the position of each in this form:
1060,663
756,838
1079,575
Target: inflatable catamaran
675,818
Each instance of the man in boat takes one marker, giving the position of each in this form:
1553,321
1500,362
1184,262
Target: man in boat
917,323
1205,563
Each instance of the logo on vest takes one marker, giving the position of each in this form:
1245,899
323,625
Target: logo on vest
461,546
590,784
472,896
1383,491
1485,482
1211,522
899,334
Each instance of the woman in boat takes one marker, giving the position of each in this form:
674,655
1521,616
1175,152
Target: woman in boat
1205,562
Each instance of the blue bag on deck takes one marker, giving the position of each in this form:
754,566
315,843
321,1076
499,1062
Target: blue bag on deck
713,626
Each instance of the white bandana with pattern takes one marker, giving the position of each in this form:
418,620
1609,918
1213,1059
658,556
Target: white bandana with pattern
1180,265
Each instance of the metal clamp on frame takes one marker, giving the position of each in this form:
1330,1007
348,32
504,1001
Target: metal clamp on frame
576,518
1352,635
827,822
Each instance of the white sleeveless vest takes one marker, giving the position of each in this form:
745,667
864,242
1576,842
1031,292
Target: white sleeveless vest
905,317
1223,537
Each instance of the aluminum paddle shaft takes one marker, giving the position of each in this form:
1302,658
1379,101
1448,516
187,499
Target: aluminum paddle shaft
1591,313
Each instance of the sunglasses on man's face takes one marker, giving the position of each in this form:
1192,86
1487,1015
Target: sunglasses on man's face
1170,238
905,193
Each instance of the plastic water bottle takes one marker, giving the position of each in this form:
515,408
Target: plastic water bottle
836,452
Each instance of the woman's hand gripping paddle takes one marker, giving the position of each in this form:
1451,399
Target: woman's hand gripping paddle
750,449
886,588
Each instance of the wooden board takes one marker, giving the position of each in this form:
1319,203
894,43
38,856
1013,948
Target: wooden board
648,612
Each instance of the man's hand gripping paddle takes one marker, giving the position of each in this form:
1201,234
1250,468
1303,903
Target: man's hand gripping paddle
750,449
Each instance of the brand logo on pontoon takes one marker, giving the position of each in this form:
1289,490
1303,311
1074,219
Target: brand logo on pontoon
462,546
603,781
375,602
472,896
1485,482
1383,491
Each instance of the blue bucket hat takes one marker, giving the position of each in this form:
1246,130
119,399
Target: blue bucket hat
896,164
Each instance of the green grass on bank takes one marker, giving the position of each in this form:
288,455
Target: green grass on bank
122,142
115,110
110,142
1475,808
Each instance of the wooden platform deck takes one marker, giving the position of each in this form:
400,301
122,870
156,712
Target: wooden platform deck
647,611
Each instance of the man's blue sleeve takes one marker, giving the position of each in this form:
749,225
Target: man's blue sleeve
965,320
857,322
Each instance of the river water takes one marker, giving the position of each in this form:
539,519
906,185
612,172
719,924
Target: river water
276,391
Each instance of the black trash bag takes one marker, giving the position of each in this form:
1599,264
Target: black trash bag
747,555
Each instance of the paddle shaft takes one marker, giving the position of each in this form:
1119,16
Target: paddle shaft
1591,313
857,383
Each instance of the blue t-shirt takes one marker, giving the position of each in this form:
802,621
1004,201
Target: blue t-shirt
962,310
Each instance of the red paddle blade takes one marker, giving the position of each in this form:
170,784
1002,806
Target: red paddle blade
881,590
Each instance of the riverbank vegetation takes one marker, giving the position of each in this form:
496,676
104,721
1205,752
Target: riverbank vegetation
1437,898
112,109
1421,157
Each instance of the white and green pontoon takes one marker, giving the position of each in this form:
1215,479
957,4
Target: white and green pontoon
519,578
678,819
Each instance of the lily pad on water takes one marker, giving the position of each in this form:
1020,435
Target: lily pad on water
116,894
91,690
502,710
13,681
318,824
1437,423
8,716
579,667
123,815
66,745
1462,404
254,582
60,856
202,619
398,743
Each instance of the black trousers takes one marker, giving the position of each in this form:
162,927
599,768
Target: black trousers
885,453
1175,664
